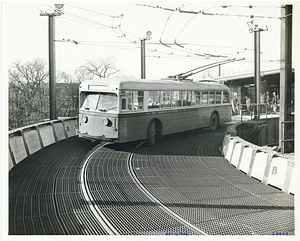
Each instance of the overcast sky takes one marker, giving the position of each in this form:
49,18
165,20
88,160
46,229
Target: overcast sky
103,29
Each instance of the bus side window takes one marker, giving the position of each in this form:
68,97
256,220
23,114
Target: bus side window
153,99
176,101
138,100
211,98
203,99
187,98
196,98
141,100
129,99
225,97
165,99
123,104
218,97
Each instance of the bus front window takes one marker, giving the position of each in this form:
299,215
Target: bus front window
90,101
107,102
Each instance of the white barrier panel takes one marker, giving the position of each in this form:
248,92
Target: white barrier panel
18,148
47,136
10,163
71,127
246,159
236,154
32,139
259,165
277,173
59,131
27,140
230,148
225,144
294,183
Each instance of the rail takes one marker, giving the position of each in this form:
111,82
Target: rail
154,199
283,140
264,110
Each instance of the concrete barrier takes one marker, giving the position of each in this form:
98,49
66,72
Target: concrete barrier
236,154
259,166
46,132
59,131
17,147
28,140
293,184
225,143
230,149
262,163
31,137
277,173
71,127
247,156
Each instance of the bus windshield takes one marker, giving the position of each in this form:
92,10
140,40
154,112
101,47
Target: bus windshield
100,101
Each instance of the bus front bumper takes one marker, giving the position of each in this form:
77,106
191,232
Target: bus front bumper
102,138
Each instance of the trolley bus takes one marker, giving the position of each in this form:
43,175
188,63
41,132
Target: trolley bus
125,110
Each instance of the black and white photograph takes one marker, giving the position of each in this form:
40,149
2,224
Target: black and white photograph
149,119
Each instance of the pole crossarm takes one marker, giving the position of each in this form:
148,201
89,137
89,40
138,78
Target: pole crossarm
50,14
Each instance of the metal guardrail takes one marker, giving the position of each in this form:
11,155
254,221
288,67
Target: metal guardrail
283,140
264,110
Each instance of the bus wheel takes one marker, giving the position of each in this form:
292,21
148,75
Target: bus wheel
151,135
214,121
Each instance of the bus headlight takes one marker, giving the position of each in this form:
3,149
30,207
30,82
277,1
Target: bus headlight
106,122
84,119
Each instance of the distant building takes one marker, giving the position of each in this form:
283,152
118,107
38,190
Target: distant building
243,85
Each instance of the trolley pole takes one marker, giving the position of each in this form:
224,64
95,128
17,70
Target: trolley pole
52,69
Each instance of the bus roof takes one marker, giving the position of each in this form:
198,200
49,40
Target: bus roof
114,84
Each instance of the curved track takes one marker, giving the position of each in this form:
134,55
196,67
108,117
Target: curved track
181,186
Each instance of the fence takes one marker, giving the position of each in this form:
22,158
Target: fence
287,141
261,163
64,108
257,111
30,139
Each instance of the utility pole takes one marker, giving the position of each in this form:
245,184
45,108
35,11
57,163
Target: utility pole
143,54
286,78
257,81
143,59
52,69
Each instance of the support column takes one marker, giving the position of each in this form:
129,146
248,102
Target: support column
286,78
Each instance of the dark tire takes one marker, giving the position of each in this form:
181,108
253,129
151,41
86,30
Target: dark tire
151,134
214,121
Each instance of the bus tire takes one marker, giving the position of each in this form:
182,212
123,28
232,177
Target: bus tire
214,121
151,134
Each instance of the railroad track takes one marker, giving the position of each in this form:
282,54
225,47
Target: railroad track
181,186
155,200
109,225
90,200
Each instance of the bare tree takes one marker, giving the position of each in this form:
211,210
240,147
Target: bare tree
80,75
103,68
25,82
67,91
207,74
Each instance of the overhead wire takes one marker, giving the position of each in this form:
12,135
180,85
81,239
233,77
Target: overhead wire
92,23
37,8
190,51
97,24
211,14
205,13
104,14
160,41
